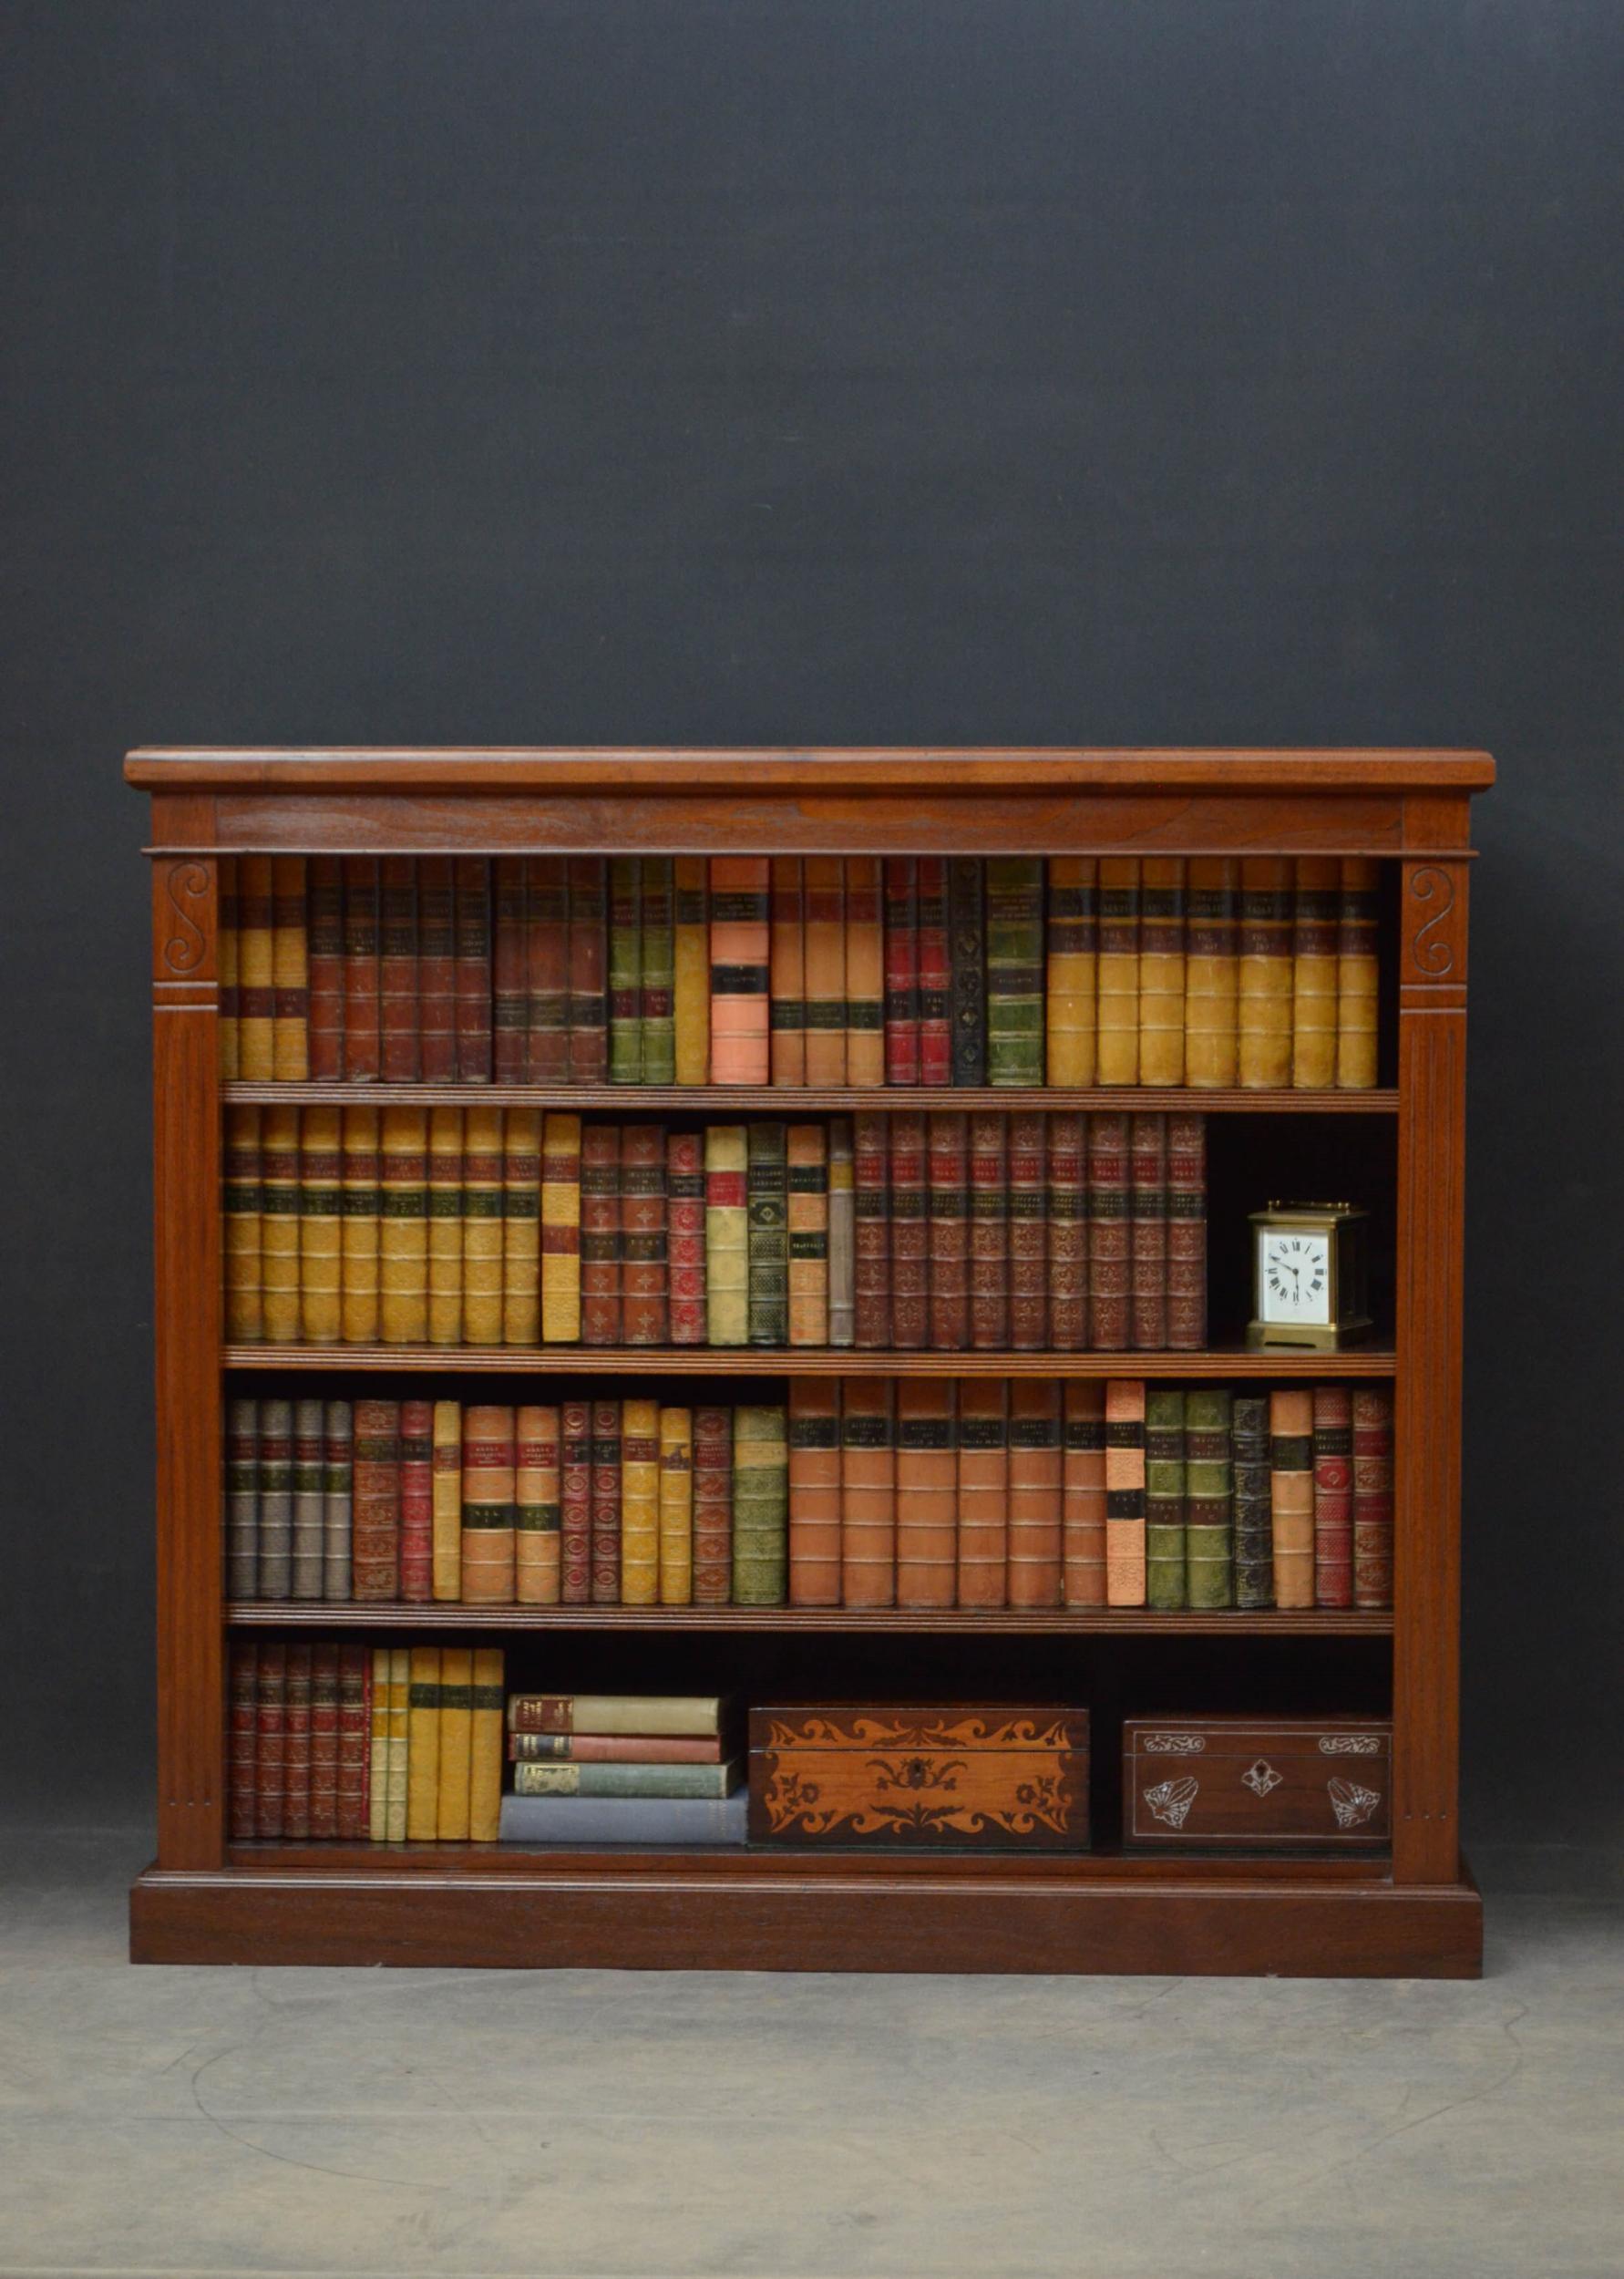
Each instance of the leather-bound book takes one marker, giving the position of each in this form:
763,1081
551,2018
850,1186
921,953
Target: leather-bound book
1066,1235
1357,975
452,1753
276,1499
865,972
403,1227
1163,1498
256,988
416,1502
872,1232
625,969
1254,1530
305,1578
947,1158
1124,1491
740,963
1161,969
713,1507
814,1491
1265,984
321,1229
324,1740
1029,1246
377,1726
295,1761
615,1748
600,1234
521,1227
240,1202
983,1492
271,1741
807,1165
676,1507
760,1506
472,887
657,1716
842,1238
868,1492
397,968
767,1225
437,970
445,1432
910,1234
727,1237
589,969
546,981
423,1745
485,1745
644,1262
657,991
1014,969
685,1235
1082,1493
1147,1175
279,1224
375,1537
967,949
691,964
575,1502
445,1225
360,1131
1209,1520
488,1495
290,969
1372,1496
324,886
243,1718
1211,973
483,1142
225,961
509,978
354,1742
560,1230
1315,904
398,1744
1071,944
787,979
241,1452
823,891
536,1506
1117,1012
936,976
363,1016
1291,1494
1333,1495
901,969
1110,1254
607,1489
639,1503
1036,1479
1186,1233
988,1231
927,1492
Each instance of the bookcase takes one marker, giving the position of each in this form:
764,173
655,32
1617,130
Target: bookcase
1410,1909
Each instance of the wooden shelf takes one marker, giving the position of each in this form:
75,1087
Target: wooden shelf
790,1099
541,1863
849,1621
805,1361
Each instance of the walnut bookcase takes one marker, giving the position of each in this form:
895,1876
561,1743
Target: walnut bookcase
1413,1912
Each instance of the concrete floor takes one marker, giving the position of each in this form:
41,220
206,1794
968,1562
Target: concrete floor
395,2123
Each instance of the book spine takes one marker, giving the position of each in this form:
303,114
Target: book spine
445,1225
685,1238
485,1744
560,1230
871,1233
606,1502
625,969
437,970
1072,948
948,1160
377,1749
910,1234
445,1432
256,988
522,1226
305,1578
600,1234
713,1507
1124,1491
1148,1162
449,1786
901,969
271,1741
611,1748
691,964
276,1499
760,1507
808,1173
1163,1498
1117,1008
726,1243
660,1714
482,1228
639,1503
645,1260
983,1492
403,1227
397,968
354,1744
1315,904
359,1136
865,972
868,1492
241,1199
814,1491
488,1499
320,1227
1029,1245
927,1492
225,958
824,969
1082,1493
295,1767
589,969
290,970
509,1008
1014,969
1067,1230
396,1714
376,1539
787,991
1036,1482
1292,1495
575,1512
988,1231
473,969
423,1745
842,1238
416,1502
967,949
325,889
1161,969
1110,1255
242,1498
1357,975
546,918
1373,1497
1211,973
537,1506
1265,984
1186,1233
1208,1526
740,969
587,1823
658,989
936,976
628,1780
1332,1412
279,1224
242,1720
676,1507
1254,1528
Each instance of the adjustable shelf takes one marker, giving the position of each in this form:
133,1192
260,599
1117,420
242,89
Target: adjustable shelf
1045,1622
766,1099
806,1361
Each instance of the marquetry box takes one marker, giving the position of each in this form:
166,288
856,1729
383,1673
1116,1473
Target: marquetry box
988,1779
1257,1781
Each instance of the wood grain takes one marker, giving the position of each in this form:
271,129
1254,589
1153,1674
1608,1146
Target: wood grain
659,1099
1045,1622
804,1361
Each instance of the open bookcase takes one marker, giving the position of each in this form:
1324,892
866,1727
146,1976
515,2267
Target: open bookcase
1409,1909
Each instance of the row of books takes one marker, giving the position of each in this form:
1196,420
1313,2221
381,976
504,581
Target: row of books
822,970
347,1743
860,1493
623,1769
1032,1231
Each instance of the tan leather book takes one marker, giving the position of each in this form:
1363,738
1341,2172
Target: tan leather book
824,969
1035,1481
1082,1494
537,1507
740,969
256,989
279,1224
403,1233
868,1492
1292,1493
1161,969
786,1013
1265,992
842,1234
865,972
1357,975
1118,1005
320,1227
560,1230
639,1503
447,1493
692,963
377,1784
1071,946
521,1227
361,1132
1314,914
676,1507
486,1749
1124,1491
489,1494
726,1263
290,970
984,1465
927,1492
398,1712
1211,973
482,1172
445,1226
455,1744
240,1232
423,1745
814,1491
807,1163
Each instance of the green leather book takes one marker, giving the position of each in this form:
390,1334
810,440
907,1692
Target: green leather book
1209,1483
625,970
767,1205
1254,1520
1014,969
658,988
760,1507
1163,1498
626,1779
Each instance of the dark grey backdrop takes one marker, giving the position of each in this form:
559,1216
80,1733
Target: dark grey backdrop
595,370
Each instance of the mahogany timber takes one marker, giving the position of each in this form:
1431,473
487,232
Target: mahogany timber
808,1361
1038,1622
651,1100
1323,1783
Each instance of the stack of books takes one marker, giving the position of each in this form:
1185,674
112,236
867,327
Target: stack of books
622,1769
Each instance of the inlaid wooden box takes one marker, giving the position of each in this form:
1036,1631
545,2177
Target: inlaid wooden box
1321,1783
987,1778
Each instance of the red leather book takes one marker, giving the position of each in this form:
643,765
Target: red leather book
473,970
936,973
606,1502
910,1234
988,1231
295,1757
324,889
353,1743
814,1491
509,1002
589,969
983,1492
713,1507
416,1501
600,1297
1186,1233
1082,1494
1029,1242
1147,1176
437,970
362,1041
684,1219
575,1501
242,1720
1109,1258
1067,1232
871,1233
271,1742
901,969
927,1492
375,1523
1333,1496
948,1149
547,968
290,969
489,1503
397,968
868,1492
1035,1493
1372,1496
323,1741
643,1260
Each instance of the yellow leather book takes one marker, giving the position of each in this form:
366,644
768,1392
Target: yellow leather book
256,990
447,1500
726,1238
806,1157
676,1507
1292,1493
786,981
290,971
225,961
824,969
445,1226
639,1503
1072,950
279,1224
1161,969
487,1746
1314,910
561,1231
320,1227
1118,1007
377,1780
482,1227
403,1227
865,974
1356,974
423,1745
521,1228
536,1509
691,987
360,1135
400,1676
1211,973
1266,886
240,1232
455,1744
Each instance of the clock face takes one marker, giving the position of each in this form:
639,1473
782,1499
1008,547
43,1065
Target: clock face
1294,1276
